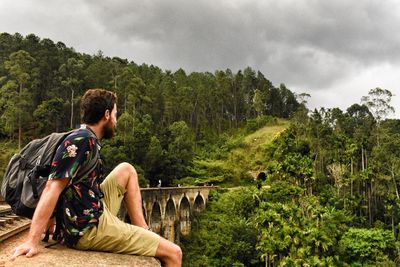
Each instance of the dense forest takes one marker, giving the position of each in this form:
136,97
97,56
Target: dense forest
331,197
164,116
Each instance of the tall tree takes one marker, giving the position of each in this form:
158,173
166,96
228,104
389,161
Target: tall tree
71,79
131,90
50,114
258,102
378,101
20,68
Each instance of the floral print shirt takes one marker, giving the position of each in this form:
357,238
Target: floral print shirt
80,203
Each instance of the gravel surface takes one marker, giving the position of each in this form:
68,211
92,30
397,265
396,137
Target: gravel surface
62,256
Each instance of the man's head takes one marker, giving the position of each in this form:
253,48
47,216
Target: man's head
98,106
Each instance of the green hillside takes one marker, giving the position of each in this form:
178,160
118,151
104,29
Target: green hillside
333,196
234,159
255,143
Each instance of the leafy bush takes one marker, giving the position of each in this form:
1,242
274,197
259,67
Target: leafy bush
367,246
253,125
246,225
223,235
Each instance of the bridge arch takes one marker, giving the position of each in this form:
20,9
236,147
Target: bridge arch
155,218
159,205
169,221
184,216
199,203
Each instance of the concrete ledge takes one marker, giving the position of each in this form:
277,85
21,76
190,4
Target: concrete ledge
62,256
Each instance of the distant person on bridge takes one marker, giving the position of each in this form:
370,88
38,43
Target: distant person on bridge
89,205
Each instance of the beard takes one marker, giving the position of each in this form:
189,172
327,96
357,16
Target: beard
108,130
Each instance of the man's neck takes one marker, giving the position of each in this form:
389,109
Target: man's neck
96,129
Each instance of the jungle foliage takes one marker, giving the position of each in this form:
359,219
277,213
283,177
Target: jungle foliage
332,200
165,117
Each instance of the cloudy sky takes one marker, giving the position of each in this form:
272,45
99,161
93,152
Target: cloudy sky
334,50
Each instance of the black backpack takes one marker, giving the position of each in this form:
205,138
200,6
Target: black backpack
27,172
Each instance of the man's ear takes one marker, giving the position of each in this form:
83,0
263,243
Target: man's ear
107,114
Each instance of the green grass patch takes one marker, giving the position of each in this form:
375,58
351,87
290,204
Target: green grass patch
231,159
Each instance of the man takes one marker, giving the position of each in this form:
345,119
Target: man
90,204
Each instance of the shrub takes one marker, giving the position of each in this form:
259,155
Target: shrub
367,246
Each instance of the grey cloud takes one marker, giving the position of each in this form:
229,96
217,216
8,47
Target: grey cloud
305,43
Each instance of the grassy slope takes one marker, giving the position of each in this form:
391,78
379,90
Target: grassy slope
245,154
255,143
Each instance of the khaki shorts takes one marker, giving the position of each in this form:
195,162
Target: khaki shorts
114,235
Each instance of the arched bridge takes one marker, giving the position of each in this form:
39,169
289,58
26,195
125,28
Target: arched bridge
169,210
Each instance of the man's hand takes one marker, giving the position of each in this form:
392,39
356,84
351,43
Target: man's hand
42,214
27,249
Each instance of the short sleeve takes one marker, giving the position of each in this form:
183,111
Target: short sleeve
70,156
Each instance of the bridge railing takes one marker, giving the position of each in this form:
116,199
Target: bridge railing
178,188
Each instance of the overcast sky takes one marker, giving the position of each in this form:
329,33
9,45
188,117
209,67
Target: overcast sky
334,50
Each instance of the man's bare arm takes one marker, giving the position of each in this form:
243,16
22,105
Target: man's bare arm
43,212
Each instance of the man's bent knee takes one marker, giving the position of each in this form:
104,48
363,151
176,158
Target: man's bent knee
169,252
178,254
124,169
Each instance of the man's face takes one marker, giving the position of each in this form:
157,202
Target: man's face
110,126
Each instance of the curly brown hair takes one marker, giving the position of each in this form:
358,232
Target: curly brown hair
94,104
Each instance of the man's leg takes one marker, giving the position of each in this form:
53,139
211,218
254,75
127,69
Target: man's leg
169,253
127,177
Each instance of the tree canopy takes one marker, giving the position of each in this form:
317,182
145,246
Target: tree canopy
41,83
